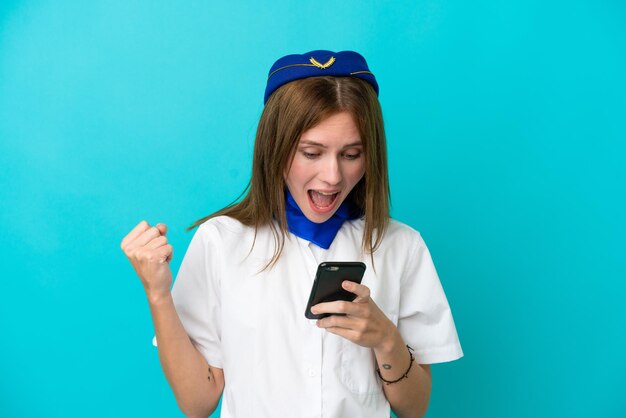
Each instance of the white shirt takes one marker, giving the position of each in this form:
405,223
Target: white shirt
276,362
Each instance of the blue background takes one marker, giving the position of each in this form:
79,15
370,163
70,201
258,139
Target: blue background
506,124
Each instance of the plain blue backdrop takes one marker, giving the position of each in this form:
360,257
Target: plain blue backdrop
506,124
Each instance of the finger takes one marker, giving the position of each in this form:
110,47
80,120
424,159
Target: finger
135,232
362,291
165,253
348,334
336,321
145,237
156,242
338,306
162,228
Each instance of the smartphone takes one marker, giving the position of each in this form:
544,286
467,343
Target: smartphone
327,284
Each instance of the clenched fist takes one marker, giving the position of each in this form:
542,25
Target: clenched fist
148,251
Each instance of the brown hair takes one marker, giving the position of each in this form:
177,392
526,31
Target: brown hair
289,112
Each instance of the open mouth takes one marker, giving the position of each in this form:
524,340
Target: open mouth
322,200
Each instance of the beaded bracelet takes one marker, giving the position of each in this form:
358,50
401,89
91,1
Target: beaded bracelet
405,375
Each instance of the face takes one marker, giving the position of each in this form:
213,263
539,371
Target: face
327,164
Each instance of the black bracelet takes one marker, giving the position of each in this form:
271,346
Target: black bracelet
405,375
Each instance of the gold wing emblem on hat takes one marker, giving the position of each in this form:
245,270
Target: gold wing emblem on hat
324,66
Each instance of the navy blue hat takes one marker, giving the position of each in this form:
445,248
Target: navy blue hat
318,63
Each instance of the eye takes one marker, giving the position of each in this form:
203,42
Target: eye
352,155
310,155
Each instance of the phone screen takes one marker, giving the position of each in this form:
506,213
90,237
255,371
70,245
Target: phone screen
327,284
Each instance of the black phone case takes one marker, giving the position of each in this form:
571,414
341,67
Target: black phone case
327,284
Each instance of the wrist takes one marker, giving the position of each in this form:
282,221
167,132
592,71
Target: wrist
390,344
157,299
404,375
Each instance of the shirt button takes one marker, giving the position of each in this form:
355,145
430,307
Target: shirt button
311,372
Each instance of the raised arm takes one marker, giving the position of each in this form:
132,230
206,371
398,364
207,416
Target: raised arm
196,385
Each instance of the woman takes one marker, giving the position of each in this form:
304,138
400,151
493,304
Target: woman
233,323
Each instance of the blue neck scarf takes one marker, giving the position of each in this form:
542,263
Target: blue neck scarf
322,234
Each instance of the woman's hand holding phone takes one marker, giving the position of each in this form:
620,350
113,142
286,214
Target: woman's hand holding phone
364,323
149,253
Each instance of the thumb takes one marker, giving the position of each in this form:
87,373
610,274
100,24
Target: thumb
162,228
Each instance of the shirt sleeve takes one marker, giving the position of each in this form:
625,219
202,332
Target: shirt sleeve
196,294
425,319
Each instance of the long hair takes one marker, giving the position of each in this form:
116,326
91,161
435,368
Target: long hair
290,111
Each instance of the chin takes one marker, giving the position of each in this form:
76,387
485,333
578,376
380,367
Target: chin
318,218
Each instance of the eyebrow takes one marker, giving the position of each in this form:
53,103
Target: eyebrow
317,144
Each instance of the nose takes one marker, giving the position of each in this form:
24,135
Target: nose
331,171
